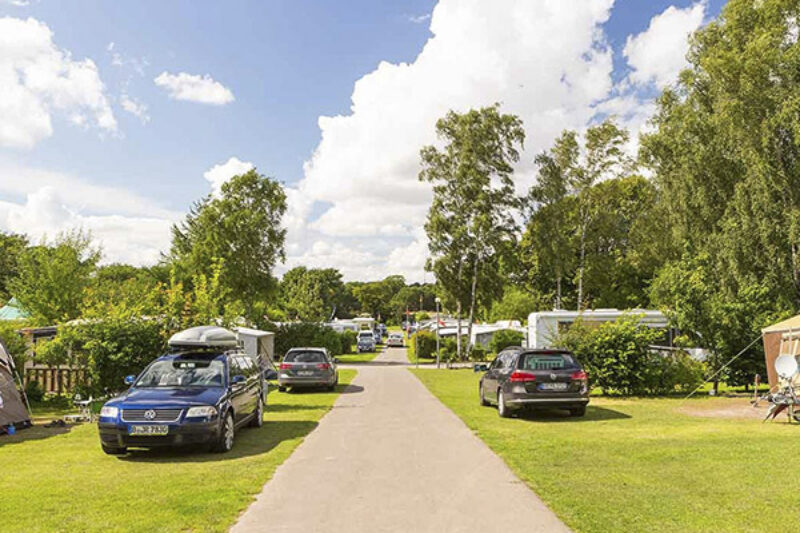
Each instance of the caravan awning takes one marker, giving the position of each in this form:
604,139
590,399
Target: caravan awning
785,325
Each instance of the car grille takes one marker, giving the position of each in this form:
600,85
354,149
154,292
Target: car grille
162,415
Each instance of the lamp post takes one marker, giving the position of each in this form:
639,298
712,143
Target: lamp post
438,301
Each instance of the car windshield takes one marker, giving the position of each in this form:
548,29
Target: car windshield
304,357
368,336
547,361
183,373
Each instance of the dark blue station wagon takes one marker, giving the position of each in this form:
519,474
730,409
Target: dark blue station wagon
195,395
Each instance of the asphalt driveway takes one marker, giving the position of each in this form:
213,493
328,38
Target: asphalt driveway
391,457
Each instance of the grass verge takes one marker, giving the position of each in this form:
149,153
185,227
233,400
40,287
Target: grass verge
60,480
642,464
356,357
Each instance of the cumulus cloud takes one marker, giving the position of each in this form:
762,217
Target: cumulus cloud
219,174
658,54
38,80
546,61
194,88
134,107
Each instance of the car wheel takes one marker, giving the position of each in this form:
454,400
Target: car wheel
112,450
502,409
281,388
258,417
578,411
226,435
484,401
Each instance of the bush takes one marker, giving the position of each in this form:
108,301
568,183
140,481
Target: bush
423,343
478,353
449,349
15,344
348,339
419,316
291,335
618,358
505,338
34,391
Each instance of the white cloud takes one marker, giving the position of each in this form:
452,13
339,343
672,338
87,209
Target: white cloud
546,61
38,79
18,3
658,54
134,107
419,19
219,174
194,88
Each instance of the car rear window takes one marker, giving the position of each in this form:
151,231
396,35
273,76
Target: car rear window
366,335
547,361
304,357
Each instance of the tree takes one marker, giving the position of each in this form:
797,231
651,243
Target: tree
471,220
11,247
241,228
312,294
516,304
53,278
375,297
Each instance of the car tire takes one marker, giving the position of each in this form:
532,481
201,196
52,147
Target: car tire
281,388
578,411
258,418
113,450
502,408
484,401
226,435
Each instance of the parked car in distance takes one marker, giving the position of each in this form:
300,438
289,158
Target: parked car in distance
308,367
196,394
395,339
383,329
522,378
365,341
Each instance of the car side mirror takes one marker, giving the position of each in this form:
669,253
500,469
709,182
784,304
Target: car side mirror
270,375
130,379
238,379
336,360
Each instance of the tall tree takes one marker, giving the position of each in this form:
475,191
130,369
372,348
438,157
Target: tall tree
11,247
312,294
242,228
53,278
471,219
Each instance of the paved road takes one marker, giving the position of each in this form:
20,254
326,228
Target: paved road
391,457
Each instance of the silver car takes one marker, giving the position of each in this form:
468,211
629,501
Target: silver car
395,339
308,367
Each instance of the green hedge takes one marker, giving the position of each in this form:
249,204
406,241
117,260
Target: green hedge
292,335
505,338
424,343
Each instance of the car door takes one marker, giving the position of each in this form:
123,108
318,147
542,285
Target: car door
253,392
504,372
490,378
239,398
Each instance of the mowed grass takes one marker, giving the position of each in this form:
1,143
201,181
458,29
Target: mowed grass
643,464
59,480
355,357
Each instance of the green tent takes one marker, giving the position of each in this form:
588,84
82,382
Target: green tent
12,311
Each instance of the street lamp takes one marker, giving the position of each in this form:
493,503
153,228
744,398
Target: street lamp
438,301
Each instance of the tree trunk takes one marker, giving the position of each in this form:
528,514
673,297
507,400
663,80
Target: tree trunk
581,265
458,333
558,292
472,304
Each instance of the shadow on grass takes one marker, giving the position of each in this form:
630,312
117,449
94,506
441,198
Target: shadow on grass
249,442
36,432
593,414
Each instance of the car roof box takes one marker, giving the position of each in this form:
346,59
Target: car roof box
204,337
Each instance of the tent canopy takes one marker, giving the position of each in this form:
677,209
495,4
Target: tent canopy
12,410
13,311
784,325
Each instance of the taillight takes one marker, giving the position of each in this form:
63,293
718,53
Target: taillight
518,376
579,375
323,366
285,366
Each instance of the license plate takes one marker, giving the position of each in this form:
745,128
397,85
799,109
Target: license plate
552,386
305,373
148,430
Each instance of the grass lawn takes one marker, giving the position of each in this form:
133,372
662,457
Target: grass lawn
57,480
356,357
706,464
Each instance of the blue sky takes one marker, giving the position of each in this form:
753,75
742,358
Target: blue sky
287,63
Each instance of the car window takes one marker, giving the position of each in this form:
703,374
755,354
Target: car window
305,357
498,362
547,361
236,369
182,373
246,365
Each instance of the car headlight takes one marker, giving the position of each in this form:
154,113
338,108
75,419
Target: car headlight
109,412
203,410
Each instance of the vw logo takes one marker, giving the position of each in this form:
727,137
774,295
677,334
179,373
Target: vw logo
552,377
149,414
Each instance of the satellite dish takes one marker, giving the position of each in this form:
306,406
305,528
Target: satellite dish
786,366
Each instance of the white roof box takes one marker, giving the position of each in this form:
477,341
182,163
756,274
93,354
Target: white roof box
204,337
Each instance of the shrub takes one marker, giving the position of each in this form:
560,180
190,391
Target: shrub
449,349
419,316
423,343
34,391
15,344
478,353
618,358
291,335
505,338
348,339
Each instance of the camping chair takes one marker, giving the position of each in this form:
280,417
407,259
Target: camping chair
85,408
